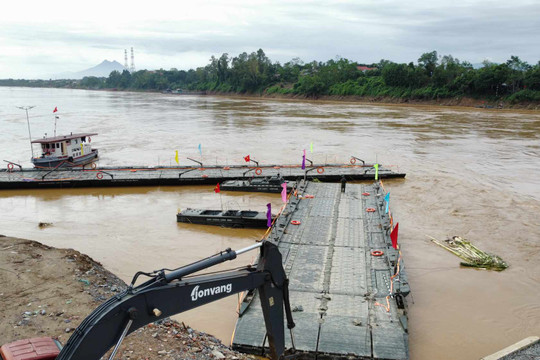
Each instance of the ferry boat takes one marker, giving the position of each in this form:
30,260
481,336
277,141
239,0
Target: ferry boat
65,151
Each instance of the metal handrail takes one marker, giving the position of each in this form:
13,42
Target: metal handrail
13,163
198,162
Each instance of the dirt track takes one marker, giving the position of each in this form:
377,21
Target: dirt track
47,292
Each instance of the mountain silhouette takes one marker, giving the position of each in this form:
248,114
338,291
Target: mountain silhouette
101,70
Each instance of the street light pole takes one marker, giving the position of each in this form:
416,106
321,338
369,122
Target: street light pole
26,108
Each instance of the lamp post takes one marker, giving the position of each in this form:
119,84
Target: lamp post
26,108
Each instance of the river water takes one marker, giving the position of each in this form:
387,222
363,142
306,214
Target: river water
470,172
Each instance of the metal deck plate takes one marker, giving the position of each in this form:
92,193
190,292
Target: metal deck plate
338,288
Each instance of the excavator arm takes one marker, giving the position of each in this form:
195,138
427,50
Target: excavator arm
167,294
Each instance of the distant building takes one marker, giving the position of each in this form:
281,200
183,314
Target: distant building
363,68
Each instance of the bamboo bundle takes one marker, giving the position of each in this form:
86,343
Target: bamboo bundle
473,256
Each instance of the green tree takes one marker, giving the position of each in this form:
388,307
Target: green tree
429,62
113,81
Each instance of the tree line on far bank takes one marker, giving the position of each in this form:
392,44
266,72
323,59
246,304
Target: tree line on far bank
432,77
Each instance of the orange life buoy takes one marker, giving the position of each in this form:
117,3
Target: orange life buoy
277,167
295,222
10,166
258,171
99,175
365,193
370,209
320,170
353,161
377,253
226,168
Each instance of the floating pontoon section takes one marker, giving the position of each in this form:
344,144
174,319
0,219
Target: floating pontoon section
338,289
15,178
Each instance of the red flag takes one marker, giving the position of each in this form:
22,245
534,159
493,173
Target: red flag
246,158
55,109
216,189
393,236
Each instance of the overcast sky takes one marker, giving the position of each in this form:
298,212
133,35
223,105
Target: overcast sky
42,38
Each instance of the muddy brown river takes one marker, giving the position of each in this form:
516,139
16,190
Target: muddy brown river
470,172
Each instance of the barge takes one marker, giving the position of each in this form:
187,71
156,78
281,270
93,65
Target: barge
227,218
272,184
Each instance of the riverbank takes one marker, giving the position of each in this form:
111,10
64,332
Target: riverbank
466,102
462,101
48,292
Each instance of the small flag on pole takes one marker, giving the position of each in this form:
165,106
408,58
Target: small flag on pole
311,147
394,236
217,189
55,109
376,166
246,158
387,200
176,157
284,192
269,215
304,160
200,149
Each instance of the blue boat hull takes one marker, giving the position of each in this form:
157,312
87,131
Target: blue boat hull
62,162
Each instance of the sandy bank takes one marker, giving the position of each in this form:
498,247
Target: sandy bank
48,292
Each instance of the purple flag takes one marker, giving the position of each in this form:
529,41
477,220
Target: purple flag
269,215
284,192
304,160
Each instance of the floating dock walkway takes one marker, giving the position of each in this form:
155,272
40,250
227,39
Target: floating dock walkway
19,178
346,287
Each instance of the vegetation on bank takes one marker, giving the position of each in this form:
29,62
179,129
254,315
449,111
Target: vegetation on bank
433,77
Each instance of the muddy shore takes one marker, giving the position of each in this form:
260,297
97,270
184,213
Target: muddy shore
466,102
48,292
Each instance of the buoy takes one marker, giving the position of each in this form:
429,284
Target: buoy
99,175
93,166
10,166
365,193
320,170
377,253
370,209
258,171
226,168
295,222
353,161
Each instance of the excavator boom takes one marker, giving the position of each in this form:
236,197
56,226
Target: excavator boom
171,293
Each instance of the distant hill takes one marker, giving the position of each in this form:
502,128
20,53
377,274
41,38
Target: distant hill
101,70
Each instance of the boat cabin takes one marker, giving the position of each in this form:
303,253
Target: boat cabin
73,149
